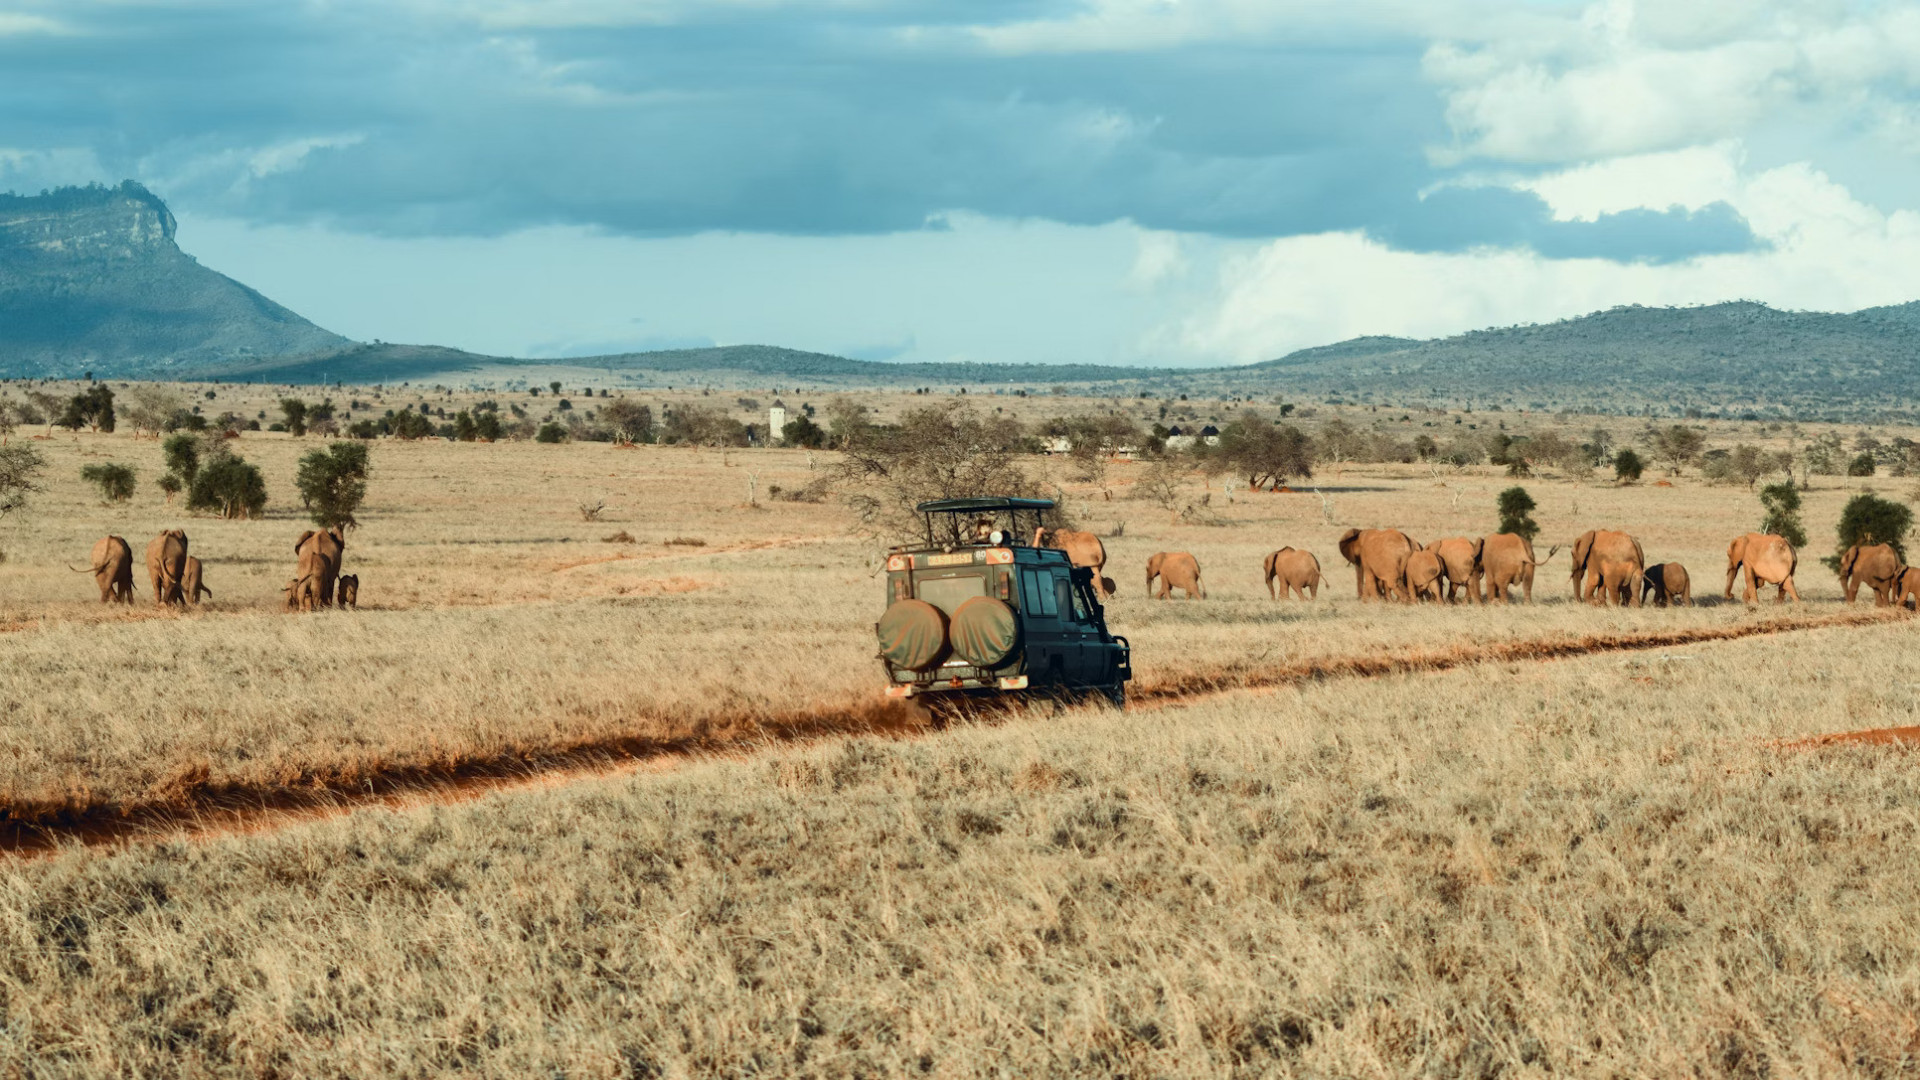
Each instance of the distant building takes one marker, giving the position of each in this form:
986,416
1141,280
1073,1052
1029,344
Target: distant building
776,424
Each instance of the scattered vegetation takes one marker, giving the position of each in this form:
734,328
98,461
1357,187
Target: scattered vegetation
939,452
1782,502
115,481
333,482
1627,466
1869,519
1516,513
228,486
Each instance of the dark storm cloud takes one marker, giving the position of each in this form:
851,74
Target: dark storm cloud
402,120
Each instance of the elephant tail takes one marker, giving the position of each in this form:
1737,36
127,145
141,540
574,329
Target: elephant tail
86,569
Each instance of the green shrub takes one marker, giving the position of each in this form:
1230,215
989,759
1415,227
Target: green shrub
181,453
550,433
1516,508
295,411
1861,466
1783,513
332,483
116,481
1627,466
229,487
1870,519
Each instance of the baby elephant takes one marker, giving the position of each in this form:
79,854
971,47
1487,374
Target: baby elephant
1176,570
347,590
1906,588
191,583
1667,583
1296,571
1427,576
303,593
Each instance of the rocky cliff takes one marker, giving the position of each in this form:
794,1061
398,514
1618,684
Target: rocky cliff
91,280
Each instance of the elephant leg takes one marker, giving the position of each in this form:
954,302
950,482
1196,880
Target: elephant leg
1732,569
1752,591
1634,595
1787,589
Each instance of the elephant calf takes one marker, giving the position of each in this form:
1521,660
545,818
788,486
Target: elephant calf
1176,570
1427,575
1667,583
1297,572
192,583
347,590
1906,588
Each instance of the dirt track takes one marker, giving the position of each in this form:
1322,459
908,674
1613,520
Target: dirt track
198,807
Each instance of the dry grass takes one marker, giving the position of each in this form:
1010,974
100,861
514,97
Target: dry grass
1593,865
1506,869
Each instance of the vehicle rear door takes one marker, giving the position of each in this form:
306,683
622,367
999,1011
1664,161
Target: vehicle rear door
1048,650
1080,638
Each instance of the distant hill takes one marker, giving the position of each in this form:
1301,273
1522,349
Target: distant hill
755,364
90,279
1740,356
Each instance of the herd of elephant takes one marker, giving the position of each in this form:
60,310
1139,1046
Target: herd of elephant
179,579
1609,567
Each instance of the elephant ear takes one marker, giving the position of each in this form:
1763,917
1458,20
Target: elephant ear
1347,542
1479,547
302,542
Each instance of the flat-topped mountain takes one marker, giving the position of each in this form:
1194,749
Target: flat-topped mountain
90,278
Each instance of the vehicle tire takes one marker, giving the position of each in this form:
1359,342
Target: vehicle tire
1116,695
913,634
985,632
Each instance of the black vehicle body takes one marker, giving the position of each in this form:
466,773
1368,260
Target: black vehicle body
985,612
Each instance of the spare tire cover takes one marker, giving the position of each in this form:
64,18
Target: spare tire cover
913,634
985,630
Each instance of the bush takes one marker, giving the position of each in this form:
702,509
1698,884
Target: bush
332,483
1516,509
1627,467
1264,452
93,408
1783,513
295,411
171,485
939,452
486,426
182,456
229,487
410,425
19,476
1861,466
550,432
116,481
1869,519
802,431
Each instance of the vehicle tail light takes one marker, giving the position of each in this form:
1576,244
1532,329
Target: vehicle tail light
899,562
900,691
999,556
900,588
1003,585
1013,682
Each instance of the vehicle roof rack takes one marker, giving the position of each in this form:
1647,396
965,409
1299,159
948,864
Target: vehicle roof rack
967,506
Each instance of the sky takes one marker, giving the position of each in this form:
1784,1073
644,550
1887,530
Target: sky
1160,182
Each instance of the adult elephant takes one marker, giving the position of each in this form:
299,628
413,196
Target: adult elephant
1297,572
1875,566
1176,570
1379,560
1506,560
320,555
1769,560
167,565
1460,555
111,565
1612,564
1082,548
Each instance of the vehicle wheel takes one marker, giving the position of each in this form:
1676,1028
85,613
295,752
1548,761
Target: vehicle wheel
1116,695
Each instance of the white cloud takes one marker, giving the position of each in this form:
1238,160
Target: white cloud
1634,76
33,170
290,155
1829,252
16,24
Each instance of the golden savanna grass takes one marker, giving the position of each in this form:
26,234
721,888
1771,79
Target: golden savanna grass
1589,865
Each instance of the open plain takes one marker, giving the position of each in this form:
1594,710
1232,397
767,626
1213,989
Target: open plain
1330,838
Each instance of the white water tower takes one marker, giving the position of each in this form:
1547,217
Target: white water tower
776,424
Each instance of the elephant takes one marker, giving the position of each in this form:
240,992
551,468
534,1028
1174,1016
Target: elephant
191,583
166,563
1875,566
1176,570
1461,557
1426,575
1612,564
1769,560
1379,560
111,565
320,557
1669,584
1082,548
1297,571
348,590
1906,588
303,593
1506,560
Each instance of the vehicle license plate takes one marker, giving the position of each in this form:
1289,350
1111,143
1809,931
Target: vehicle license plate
957,558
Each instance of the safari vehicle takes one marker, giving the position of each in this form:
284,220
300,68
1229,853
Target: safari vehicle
977,610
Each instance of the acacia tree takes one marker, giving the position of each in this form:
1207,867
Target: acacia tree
1678,446
940,452
19,476
1783,513
1264,452
332,483
1870,519
1516,513
631,421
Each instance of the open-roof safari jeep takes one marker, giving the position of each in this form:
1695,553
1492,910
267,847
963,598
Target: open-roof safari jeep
978,610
